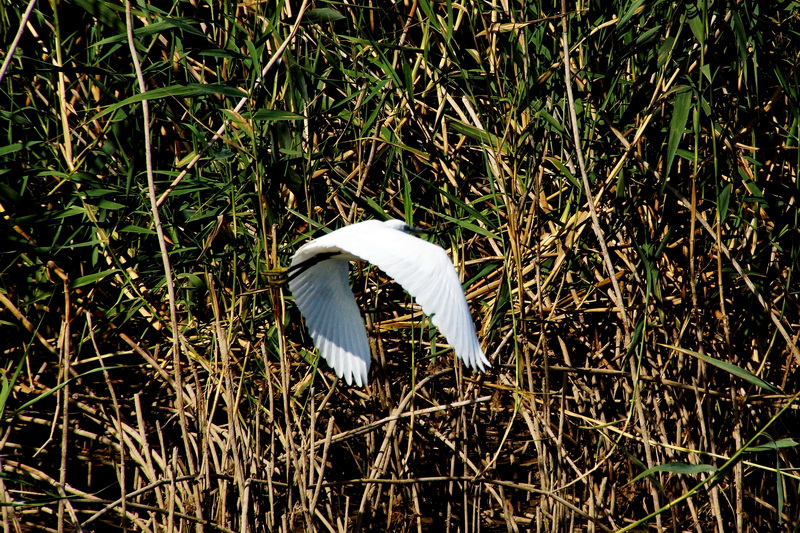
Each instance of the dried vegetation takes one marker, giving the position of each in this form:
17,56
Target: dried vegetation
627,230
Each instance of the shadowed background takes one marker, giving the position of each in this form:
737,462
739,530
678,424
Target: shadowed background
644,359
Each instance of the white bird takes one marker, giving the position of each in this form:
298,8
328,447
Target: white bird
318,280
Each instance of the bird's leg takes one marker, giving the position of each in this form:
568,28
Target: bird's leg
295,270
277,277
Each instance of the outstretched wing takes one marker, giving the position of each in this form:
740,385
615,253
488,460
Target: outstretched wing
323,294
423,269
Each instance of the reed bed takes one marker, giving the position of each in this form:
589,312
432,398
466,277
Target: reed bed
616,182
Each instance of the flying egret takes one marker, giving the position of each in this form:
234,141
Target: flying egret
318,279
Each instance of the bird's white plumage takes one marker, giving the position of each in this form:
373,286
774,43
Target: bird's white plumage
322,292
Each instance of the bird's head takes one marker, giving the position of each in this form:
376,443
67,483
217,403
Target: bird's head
399,225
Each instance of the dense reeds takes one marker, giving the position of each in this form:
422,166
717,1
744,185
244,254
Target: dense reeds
626,228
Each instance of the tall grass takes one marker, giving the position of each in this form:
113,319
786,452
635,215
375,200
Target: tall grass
616,182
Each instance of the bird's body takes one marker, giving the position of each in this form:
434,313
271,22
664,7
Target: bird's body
319,282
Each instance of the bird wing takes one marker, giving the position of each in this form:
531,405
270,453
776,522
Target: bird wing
423,269
323,295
